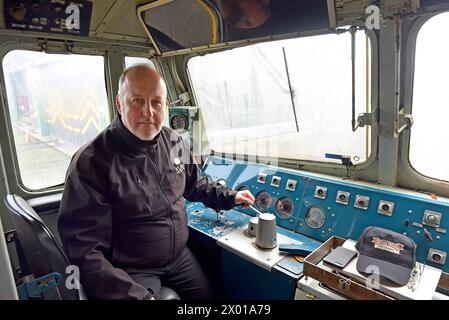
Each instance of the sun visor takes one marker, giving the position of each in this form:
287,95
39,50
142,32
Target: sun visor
180,26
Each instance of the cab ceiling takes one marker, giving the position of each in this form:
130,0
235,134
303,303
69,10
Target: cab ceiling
111,19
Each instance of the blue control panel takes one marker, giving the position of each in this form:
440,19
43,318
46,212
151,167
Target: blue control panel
217,225
321,206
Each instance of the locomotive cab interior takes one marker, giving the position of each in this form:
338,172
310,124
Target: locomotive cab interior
331,112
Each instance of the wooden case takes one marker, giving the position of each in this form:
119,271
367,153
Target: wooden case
349,287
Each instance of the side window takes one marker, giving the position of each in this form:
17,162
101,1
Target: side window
57,103
429,146
129,61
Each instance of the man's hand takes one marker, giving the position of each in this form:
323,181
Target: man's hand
245,198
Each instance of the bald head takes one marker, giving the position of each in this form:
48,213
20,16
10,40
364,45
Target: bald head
141,101
140,69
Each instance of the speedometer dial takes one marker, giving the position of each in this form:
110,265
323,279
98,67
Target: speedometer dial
263,200
315,217
284,207
179,122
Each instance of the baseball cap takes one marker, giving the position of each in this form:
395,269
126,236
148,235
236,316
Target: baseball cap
394,254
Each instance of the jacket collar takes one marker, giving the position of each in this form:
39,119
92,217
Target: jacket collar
130,141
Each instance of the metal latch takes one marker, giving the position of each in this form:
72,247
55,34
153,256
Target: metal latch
56,47
364,119
405,121
343,284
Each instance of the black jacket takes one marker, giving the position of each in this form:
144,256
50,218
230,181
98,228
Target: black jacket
123,206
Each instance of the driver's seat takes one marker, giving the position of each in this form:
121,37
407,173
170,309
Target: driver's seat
40,254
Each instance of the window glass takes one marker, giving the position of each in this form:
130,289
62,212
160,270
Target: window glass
256,100
129,61
57,103
429,141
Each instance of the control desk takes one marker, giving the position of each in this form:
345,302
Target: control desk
309,208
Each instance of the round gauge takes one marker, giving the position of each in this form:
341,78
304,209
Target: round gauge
222,182
263,200
315,217
179,122
284,207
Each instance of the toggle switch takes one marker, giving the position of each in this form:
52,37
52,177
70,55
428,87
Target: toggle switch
342,197
437,256
432,218
385,208
361,202
320,192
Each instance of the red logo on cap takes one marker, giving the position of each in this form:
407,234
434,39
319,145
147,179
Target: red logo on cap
386,245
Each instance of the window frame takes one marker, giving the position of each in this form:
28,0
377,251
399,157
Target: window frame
7,140
367,169
408,176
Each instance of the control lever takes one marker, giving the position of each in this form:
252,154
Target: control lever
219,213
255,210
428,235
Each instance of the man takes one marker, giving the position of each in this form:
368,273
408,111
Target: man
122,218
245,14
247,19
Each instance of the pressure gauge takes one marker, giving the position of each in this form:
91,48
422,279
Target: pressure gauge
263,200
315,217
179,122
284,207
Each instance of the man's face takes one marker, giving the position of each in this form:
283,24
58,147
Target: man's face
142,103
245,14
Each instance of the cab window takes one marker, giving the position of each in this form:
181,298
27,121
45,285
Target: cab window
285,99
429,147
56,104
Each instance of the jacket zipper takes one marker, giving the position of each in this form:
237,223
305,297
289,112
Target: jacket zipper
145,192
167,203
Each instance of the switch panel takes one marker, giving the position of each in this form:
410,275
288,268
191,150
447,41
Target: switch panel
385,208
342,197
320,192
431,218
361,202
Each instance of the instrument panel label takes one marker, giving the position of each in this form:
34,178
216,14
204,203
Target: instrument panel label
54,16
